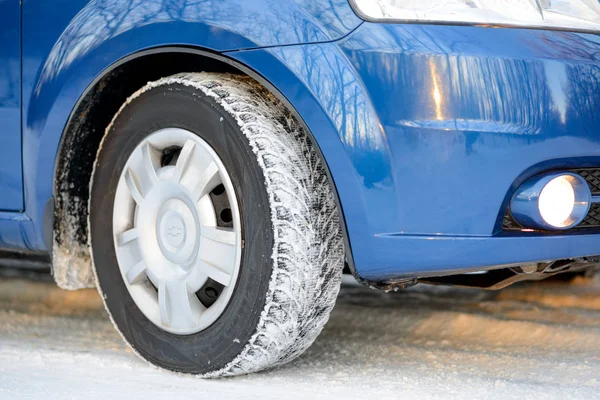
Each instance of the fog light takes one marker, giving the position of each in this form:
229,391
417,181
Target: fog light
552,201
557,201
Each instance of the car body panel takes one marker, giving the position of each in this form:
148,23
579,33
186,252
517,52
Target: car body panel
427,130
438,125
10,107
67,44
320,83
488,109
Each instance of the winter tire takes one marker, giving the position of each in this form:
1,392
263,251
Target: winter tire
214,233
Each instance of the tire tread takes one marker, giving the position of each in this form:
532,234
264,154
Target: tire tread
308,253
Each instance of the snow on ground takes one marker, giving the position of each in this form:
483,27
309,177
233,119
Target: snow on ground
537,340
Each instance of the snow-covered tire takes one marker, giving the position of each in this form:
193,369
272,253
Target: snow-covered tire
293,252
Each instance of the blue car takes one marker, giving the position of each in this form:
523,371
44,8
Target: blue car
212,167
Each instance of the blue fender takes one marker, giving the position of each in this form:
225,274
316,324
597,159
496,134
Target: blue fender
60,63
331,98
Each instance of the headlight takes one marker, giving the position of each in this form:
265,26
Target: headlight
563,14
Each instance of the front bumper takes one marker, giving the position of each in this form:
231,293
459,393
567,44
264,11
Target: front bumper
469,113
427,130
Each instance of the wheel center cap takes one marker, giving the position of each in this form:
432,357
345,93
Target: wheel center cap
177,232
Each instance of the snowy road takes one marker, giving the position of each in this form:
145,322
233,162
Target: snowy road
532,341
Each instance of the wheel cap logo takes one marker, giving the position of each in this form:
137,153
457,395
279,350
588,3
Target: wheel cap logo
174,231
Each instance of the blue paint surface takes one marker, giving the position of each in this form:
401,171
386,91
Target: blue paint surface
68,43
468,114
11,180
427,129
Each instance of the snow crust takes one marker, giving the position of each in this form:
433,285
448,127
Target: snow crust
71,265
533,341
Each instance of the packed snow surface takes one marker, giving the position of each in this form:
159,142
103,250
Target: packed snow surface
537,340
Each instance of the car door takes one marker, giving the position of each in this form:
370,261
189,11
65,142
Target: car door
11,181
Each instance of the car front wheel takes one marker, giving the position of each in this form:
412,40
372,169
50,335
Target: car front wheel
214,233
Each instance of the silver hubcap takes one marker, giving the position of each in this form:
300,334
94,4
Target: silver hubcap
176,230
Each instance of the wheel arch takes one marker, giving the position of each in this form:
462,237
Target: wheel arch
81,137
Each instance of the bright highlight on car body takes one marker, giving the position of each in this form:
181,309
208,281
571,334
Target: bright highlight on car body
558,14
